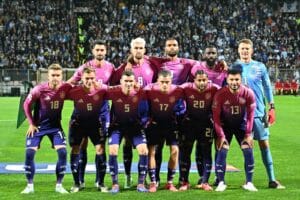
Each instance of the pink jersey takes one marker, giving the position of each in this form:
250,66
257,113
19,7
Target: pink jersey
165,106
216,75
126,109
50,103
103,73
234,110
199,103
180,68
144,73
87,105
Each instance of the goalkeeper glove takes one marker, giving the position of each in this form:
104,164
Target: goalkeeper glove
271,114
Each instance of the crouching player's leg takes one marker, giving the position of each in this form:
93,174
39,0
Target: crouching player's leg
140,142
247,148
114,141
222,147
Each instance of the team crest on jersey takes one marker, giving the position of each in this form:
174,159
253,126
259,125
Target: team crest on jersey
227,102
134,99
119,101
242,100
80,101
192,97
62,95
96,97
156,100
172,99
47,98
28,142
207,96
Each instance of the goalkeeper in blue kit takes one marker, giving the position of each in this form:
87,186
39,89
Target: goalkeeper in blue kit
255,75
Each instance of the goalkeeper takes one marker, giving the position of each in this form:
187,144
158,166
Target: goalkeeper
255,75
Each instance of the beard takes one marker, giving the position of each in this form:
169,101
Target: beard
172,53
100,57
138,56
210,62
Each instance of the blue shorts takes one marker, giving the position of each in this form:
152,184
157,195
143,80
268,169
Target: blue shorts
56,136
260,132
133,134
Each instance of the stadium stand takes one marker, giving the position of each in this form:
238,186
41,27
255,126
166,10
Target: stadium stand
37,33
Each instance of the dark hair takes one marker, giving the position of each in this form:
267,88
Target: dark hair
127,73
164,73
98,42
210,46
200,72
234,71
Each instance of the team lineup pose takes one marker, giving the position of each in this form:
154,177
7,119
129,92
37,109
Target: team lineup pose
154,100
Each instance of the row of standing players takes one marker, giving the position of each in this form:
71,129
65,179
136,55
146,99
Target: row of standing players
145,70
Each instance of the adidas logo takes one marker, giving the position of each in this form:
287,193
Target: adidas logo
192,97
156,100
80,101
119,101
47,98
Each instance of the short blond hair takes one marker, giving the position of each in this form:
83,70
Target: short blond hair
55,66
246,41
88,70
138,40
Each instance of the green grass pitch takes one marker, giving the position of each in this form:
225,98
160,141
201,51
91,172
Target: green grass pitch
285,146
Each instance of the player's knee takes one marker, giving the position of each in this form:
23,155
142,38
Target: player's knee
113,150
142,149
225,146
174,151
84,143
151,151
99,149
75,149
263,144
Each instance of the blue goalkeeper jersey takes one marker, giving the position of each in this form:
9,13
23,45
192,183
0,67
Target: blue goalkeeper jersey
255,76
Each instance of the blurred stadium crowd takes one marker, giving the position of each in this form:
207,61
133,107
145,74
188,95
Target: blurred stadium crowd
37,33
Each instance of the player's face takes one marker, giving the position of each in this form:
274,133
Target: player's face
88,79
99,52
171,48
245,51
54,77
210,56
234,81
164,83
127,83
138,50
201,81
